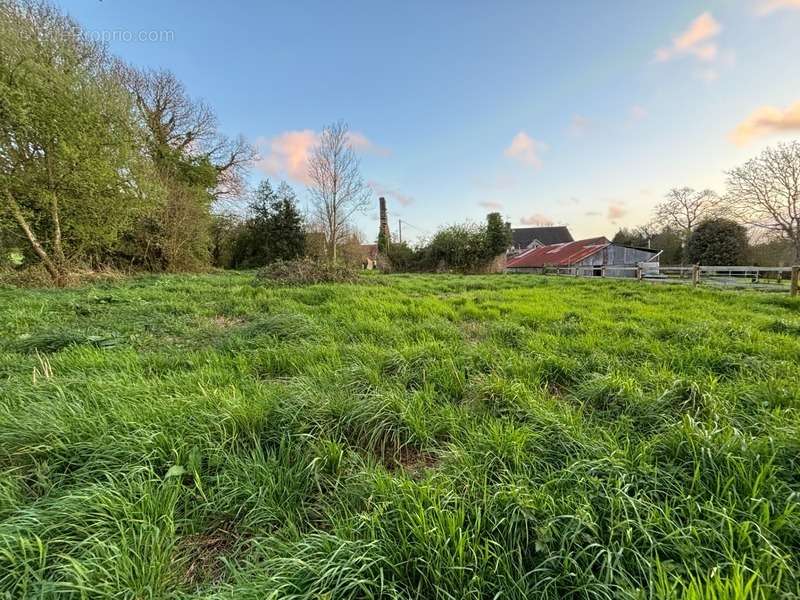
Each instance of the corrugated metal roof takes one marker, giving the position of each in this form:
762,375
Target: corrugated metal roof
559,255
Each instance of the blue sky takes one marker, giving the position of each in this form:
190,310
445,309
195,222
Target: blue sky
583,113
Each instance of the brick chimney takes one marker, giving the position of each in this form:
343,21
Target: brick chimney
383,232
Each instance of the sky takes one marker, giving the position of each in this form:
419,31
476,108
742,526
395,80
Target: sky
580,113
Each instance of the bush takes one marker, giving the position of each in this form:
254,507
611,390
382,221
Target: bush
306,271
718,242
458,247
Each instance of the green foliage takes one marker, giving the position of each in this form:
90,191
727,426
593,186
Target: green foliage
772,253
383,242
463,247
72,171
667,240
404,258
718,242
498,235
458,247
53,341
430,437
273,231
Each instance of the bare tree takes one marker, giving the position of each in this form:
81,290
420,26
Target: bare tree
765,193
336,187
684,208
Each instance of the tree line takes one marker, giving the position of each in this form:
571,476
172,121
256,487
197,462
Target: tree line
103,164
756,221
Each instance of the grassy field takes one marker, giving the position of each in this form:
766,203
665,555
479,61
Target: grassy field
409,437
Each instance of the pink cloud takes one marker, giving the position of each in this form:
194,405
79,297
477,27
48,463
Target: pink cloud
537,219
767,7
638,112
579,125
526,150
399,197
491,205
695,41
766,120
286,154
363,145
616,210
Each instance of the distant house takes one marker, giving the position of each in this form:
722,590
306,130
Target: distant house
592,255
368,256
530,237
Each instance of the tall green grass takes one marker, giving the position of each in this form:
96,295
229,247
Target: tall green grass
408,437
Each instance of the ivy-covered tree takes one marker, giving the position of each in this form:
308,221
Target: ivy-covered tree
195,163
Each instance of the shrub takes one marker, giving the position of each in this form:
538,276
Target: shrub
718,242
306,271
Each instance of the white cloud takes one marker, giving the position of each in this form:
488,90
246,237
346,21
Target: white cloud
767,7
491,205
766,120
399,197
696,40
537,219
579,126
526,150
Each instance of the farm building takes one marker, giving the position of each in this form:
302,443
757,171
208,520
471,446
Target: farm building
589,257
531,237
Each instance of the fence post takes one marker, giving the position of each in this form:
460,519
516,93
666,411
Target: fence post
639,272
603,271
696,275
795,280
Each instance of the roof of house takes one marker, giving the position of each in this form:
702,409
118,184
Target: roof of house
559,255
524,236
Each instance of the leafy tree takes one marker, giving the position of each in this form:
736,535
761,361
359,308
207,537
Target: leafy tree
718,242
71,173
273,231
498,235
776,252
670,242
631,237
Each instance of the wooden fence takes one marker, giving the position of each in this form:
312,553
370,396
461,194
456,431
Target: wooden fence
786,279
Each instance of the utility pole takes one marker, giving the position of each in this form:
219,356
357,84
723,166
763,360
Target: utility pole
400,231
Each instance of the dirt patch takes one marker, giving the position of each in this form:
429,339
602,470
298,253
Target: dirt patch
200,554
472,331
224,322
412,461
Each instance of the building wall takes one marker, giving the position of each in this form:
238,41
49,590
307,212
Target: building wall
609,256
